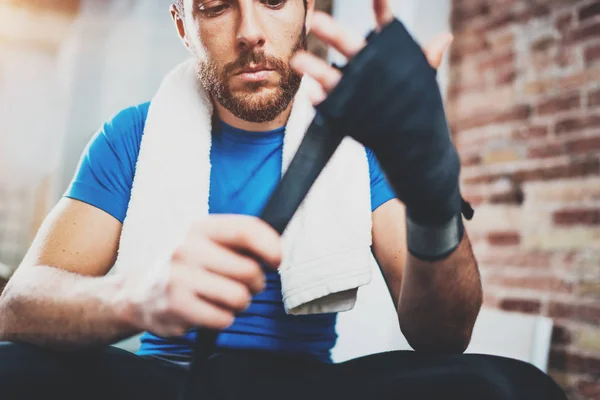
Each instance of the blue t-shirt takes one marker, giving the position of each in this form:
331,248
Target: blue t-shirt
246,167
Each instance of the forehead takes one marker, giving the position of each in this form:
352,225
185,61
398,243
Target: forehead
190,4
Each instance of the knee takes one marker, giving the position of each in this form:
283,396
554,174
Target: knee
503,379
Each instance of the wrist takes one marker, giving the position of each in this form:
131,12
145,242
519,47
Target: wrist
434,242
122,304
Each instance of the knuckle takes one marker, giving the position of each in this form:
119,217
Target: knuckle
222,320
179,255
176,331
241,298
245,236
249,270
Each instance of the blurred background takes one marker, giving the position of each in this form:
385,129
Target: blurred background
522,88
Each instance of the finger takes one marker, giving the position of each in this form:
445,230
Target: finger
223,261
330,32
435,49
383,13
308,64
244,233
317,95
217,289
191,311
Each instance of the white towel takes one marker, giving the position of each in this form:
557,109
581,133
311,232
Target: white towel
326,248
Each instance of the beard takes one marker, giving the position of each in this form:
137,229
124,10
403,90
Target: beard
250,106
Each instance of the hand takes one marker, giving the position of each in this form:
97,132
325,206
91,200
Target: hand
211,276
387,98
349,44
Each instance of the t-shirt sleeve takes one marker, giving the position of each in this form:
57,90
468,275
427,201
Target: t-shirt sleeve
381,192
104,176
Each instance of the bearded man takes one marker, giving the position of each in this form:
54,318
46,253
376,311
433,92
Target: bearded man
167,196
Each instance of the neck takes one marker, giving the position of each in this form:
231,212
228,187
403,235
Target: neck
230,119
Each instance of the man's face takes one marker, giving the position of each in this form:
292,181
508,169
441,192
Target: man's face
243,49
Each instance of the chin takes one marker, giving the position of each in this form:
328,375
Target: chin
258,96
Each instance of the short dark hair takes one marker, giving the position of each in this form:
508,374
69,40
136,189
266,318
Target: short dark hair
179,5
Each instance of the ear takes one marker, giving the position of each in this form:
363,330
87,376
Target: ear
179,22
310,10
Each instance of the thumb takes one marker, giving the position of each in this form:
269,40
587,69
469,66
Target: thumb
435,49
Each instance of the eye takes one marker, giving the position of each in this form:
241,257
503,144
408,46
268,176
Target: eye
274,4
214,8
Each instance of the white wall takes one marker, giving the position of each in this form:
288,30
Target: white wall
372,327
423,18
116,56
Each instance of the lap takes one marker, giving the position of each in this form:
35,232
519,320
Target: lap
30,372
394,375
465,376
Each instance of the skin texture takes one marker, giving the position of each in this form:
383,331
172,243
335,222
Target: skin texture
61,296
226,36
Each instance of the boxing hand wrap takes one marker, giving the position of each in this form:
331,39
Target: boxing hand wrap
389,100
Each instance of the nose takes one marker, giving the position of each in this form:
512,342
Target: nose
250,33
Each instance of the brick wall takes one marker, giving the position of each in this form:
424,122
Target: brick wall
524,105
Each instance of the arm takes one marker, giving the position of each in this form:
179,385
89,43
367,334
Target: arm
60,297
437,302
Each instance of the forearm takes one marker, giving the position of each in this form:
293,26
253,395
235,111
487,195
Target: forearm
439,301
61,310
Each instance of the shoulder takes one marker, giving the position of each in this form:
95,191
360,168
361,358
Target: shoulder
104,177
127,125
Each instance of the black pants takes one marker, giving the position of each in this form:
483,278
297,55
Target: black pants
27,372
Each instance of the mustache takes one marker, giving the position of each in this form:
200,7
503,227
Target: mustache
259,58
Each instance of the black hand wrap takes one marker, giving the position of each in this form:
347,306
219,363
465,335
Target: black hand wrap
389,100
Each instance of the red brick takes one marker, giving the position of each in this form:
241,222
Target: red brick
574,168
577,216
512,196
563,360
497,61
500,42
565,56
575,124
521,305
516,114
564,21
583,145
591,54
531,132
455,89
470,160
593,99
561,335
585,78
461,16
500,20
582,313
589,11
506,77
519,258
583,33
504,238
532,12
543,44
563,102
546,284
546,150
589,389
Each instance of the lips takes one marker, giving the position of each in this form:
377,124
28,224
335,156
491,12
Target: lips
254,69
